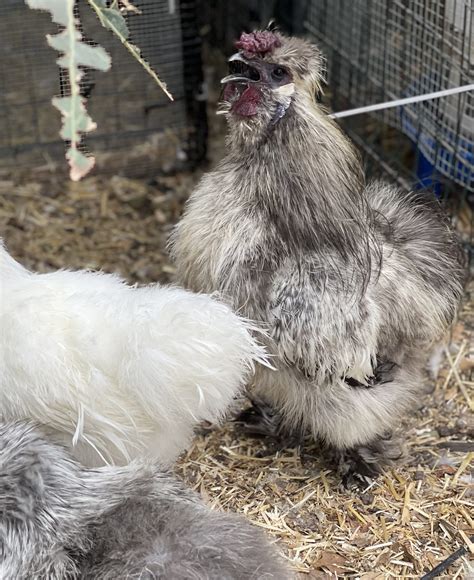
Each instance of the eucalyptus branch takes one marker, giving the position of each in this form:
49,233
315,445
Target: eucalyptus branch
75,54
112,19
85,165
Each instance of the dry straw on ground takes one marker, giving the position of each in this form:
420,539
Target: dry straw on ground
401,526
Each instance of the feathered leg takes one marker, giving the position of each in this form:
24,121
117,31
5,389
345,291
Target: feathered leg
360,465
355,423
260,419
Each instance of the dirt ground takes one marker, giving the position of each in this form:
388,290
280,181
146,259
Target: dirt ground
403,525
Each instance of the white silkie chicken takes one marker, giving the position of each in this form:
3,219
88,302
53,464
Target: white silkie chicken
118,371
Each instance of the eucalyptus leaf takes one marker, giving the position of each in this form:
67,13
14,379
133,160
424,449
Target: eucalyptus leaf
82,54
58,8
75,117
113,20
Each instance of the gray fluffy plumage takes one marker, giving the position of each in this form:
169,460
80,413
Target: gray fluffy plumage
59,520
354,282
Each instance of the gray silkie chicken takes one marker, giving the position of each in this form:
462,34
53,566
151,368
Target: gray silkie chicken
59,520
354,281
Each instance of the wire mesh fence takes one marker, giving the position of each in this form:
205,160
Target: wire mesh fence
139,130
390,49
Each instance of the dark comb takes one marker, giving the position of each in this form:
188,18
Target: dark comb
257,43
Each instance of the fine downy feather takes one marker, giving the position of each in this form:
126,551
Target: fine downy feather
59,520
119,371
355,283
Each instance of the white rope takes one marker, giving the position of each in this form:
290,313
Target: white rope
402,102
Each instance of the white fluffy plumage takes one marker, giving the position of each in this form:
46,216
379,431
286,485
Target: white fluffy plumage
118,371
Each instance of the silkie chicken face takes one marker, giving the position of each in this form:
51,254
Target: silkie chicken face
265,75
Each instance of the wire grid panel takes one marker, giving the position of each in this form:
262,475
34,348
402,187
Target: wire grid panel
381,50
227,20
138,127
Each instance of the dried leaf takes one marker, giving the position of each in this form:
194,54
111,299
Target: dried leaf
312,575
383,558
129,7
331,561
80,164
445,470
466,365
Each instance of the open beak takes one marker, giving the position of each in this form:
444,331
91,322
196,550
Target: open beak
245,72
236,79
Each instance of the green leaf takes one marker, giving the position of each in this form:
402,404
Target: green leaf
58,9
75,54
82,54
113,20
75,117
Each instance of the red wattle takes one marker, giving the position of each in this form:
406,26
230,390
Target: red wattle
247,104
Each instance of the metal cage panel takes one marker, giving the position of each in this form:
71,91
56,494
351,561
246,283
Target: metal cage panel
382,50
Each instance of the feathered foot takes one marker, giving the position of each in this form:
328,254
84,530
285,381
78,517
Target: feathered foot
359,466
259,419
262,420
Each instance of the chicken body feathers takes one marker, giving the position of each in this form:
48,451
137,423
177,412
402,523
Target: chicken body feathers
341,273
59,520
119,371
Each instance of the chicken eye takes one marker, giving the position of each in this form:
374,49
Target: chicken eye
278,73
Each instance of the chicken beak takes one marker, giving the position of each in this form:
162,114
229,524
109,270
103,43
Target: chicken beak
241,77
236,79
